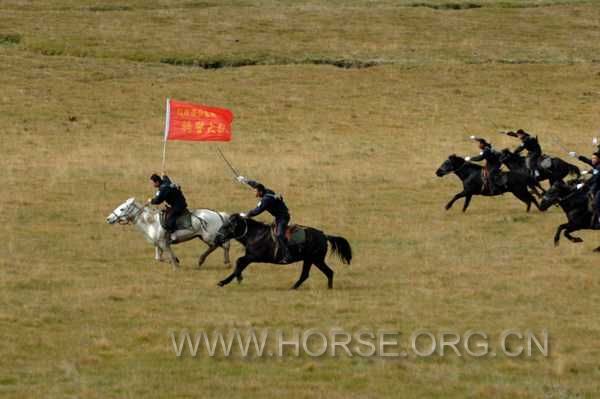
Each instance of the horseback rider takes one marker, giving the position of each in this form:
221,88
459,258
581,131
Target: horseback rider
534,150
274,204
593,183
492,162
171,194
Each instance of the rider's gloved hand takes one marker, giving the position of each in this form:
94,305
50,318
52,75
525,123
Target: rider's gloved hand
579,186
467,159
243,214
585,172
242,179
572,154
472,137
595,141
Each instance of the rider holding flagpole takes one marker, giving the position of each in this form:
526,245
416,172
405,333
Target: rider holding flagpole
170,193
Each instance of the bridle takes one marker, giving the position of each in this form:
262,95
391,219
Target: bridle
129,218
560,200
460,167
242,235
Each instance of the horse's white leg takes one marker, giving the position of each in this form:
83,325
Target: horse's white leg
174,260
158,252
226,259
203,257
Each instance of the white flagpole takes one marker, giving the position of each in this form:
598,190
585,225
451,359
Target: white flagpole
167,116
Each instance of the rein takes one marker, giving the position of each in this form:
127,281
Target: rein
560,199
131,218
465,163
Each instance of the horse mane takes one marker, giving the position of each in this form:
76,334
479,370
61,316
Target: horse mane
251,223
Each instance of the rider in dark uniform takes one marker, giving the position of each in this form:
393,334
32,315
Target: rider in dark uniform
534,150
274,204
594,184
170,193
492,162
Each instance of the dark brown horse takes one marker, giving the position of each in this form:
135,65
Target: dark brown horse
473,182
261,248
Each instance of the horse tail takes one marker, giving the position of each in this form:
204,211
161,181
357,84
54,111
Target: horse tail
341,247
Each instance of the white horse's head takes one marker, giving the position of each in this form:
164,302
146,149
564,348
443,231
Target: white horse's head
124,212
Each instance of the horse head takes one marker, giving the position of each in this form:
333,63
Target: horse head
123,213
554,195
233,228
451,164
507,155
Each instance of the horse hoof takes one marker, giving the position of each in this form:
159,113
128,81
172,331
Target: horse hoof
577,240
597,249
221,284
240,279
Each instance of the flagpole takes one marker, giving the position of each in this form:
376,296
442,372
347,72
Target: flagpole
166,135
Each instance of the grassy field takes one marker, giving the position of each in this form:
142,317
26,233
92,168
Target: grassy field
86,312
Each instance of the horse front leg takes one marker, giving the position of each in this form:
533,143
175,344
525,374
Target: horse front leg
558,231
240,265
174,259
455,198
467,202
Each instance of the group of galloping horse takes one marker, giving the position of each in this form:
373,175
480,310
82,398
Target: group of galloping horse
523,181
216,229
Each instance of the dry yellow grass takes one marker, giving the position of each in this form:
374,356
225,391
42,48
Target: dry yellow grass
85,310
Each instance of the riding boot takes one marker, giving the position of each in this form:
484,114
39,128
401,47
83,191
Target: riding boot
284,256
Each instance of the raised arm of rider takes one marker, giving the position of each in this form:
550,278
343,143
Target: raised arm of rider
585,160
252,183
479,157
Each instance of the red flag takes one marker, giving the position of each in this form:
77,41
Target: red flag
187,121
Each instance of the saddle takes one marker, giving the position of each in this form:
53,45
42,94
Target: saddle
184,221
294,234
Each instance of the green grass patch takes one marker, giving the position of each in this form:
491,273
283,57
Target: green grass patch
448,6
10,39
217,63
109,7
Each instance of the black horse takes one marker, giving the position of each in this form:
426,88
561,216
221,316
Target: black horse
260,246
557,171
473,182
575,204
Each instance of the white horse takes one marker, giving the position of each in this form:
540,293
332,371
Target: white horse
205,225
